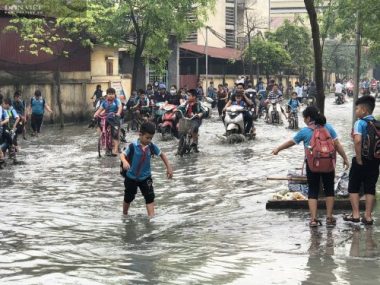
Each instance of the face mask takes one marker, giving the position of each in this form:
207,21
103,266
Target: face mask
173,91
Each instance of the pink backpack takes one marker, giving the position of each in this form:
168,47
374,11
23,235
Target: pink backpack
321,154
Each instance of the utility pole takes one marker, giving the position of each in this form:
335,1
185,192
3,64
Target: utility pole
357,62
206,53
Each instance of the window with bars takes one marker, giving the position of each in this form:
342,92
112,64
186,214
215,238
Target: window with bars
109,67
230,16
230,38
193,35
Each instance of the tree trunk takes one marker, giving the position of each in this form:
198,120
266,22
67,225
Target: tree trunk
57,78
309,4
137,64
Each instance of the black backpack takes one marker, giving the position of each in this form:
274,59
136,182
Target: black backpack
371,142
130,158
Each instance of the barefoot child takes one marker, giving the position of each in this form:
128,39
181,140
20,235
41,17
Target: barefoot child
136,162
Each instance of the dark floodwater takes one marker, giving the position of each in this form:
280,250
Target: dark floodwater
61,219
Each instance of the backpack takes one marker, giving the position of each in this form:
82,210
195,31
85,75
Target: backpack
130,158
371,142
43,103
321,155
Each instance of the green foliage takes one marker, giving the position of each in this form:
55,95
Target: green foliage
296,40
337,58
144,26
271,56
141,26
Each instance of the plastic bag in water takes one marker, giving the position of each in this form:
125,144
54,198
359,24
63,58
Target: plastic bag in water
341,185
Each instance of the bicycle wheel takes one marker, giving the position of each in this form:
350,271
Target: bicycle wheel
182,145
100,146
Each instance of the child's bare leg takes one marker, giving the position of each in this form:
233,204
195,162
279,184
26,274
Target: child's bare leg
150,210
369,201
329,206
313,208
125,208
354,198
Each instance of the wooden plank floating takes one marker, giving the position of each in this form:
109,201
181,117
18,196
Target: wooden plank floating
340,204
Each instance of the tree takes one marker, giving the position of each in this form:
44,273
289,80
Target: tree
252,23
311,11
270,55
144,27
296,40
40,33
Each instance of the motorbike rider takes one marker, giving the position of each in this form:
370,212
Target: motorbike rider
20,107
339,90
4,119
175,97
247,115
142,104
162,95
252,94
193,108
276,95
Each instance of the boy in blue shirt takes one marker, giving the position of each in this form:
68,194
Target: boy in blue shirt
136,162
293,103
363,170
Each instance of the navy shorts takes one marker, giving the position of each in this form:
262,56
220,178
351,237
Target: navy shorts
146,188
366,175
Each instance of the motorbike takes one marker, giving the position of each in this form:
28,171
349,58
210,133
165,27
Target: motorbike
167,127
273,116
309,101
158,112
234,124
339,98
350,89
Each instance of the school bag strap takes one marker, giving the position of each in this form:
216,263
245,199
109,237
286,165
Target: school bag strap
130,155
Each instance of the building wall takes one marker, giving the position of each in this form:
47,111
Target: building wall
216,20
99,57
77,88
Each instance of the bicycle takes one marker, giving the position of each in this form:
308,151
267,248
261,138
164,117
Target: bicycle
185,130
293,118
105,137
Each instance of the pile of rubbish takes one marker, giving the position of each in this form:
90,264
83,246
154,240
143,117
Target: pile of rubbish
289,195
298,188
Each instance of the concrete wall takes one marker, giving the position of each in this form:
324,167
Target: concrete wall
98,60
216,20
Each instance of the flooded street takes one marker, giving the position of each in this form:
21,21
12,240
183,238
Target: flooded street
61,216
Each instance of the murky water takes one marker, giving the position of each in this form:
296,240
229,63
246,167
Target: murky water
61,219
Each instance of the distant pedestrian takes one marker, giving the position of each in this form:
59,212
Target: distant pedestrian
97,94
37,109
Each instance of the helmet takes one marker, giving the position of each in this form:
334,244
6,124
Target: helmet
162,86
